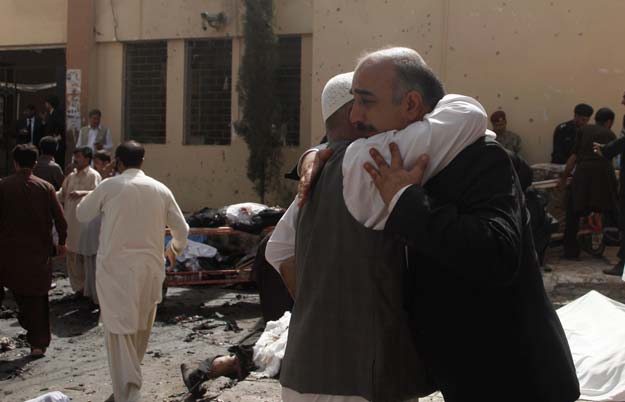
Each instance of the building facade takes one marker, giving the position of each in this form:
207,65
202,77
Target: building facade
162,75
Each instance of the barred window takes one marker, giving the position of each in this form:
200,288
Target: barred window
208,92
145,91
288,78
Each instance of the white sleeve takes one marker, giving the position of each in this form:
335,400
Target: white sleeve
281,244
79,140
177,225
319,147
456,122
90,206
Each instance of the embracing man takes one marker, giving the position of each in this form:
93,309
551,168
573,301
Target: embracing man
471,293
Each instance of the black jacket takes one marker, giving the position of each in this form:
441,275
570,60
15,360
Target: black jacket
611,150
55,125
563,141
37,134
483,321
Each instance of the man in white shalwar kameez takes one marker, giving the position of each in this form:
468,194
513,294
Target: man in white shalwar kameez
130,262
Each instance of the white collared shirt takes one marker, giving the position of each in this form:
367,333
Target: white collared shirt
31,122
455,123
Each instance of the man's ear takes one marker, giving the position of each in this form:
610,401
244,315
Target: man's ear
414,107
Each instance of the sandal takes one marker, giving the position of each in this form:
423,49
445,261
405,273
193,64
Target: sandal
37,353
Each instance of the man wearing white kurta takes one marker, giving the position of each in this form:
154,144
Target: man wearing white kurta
130,263
76,185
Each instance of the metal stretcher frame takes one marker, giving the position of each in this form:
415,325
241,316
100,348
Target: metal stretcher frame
238,275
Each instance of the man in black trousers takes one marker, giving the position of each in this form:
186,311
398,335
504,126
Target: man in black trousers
609,151
55,127
484,325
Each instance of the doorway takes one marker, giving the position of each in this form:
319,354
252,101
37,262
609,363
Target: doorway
27,77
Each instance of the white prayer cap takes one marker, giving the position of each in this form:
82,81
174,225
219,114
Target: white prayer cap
336,93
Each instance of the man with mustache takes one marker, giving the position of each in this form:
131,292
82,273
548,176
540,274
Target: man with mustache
349,337
484,325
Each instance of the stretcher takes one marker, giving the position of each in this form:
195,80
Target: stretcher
241,273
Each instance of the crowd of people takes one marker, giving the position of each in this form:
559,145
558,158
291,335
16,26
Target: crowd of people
422,274
107,217
586,151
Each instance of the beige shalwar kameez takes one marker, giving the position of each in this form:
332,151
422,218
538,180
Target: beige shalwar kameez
130,266
79,180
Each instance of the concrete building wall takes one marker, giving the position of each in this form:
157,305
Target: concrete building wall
534,59
33,23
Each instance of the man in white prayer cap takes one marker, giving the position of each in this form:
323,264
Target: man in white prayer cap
349,337
336,105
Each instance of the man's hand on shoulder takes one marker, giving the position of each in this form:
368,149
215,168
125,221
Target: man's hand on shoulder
390,179
311,166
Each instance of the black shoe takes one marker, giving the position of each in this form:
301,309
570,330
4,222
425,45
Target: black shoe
193,377
570,257
616,270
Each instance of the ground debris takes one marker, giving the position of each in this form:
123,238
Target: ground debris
6,313
20,341
211,389
6,344
231,325
208,325
185,319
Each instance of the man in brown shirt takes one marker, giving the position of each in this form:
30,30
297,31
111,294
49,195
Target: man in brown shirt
28,209
46,167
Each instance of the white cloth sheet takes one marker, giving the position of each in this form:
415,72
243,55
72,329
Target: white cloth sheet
595,328
55,396
270,347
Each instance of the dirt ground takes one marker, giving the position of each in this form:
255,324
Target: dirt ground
76,365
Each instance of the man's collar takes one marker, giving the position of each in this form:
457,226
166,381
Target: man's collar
133,172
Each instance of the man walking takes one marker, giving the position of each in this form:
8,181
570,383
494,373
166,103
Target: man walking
77,185
135,210
28,210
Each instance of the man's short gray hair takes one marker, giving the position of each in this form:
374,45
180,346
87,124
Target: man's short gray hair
413,74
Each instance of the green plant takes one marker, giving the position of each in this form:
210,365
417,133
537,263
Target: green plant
257,99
